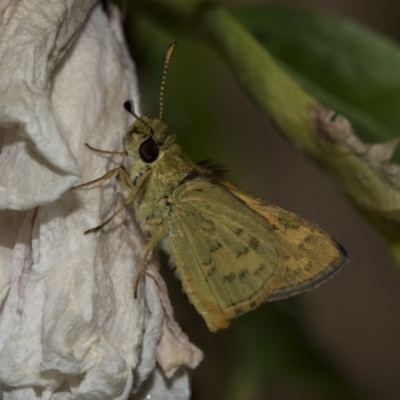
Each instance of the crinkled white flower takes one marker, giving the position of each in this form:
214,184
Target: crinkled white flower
69,324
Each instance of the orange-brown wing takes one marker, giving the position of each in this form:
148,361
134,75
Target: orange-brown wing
312,255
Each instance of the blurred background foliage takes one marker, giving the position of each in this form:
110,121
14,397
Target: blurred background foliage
341,340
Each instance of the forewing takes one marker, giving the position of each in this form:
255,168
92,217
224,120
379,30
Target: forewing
224,252
311,254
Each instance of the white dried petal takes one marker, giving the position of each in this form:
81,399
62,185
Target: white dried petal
158,387
36,162
70,324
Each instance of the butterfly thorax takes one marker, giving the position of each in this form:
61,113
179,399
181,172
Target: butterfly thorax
154,154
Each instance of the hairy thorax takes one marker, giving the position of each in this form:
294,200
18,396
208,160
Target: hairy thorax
152,205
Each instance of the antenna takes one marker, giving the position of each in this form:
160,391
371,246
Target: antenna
128,105
168,57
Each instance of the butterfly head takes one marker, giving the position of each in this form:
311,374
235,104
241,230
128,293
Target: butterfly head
145,139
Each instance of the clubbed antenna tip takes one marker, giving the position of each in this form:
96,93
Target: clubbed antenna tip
128,105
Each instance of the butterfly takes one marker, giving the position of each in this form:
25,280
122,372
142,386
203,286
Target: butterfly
232,251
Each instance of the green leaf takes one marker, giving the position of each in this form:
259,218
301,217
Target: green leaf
347,67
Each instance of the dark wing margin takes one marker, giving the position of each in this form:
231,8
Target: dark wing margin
334,267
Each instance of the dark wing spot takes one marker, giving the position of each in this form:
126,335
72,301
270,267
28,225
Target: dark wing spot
238,231
260,269
229,278
242,252
254,243
243,274
215,246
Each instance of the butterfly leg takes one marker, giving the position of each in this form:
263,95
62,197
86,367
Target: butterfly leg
150,247
118,153
125,180
128,200
119,170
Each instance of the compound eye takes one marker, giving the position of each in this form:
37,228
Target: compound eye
149,150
